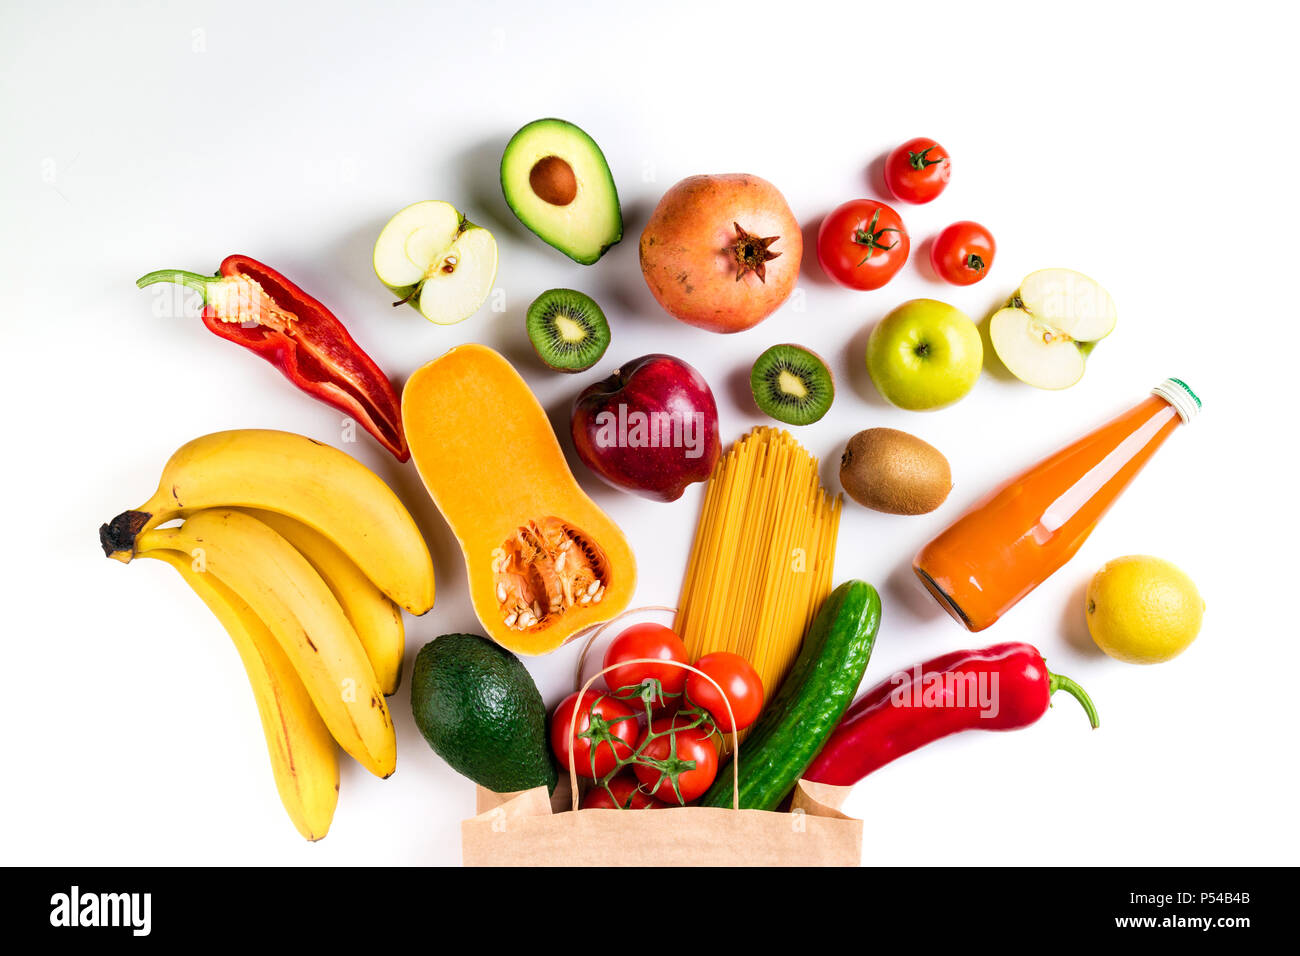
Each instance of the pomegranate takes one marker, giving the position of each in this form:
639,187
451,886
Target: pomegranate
721,252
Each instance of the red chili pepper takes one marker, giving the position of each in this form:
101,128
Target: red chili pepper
1003,687
254,306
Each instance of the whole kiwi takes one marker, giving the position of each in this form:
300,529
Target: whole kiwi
894,472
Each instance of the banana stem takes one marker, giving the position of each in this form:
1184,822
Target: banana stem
118,537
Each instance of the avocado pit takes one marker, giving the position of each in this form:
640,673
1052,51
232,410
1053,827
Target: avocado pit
553,181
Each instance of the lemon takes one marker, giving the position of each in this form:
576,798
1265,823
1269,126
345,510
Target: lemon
1143,610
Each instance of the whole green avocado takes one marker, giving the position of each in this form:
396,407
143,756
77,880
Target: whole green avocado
477,706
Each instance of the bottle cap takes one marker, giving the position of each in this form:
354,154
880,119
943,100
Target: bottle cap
1177,393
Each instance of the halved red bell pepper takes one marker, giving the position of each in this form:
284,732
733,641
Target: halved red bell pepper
252,305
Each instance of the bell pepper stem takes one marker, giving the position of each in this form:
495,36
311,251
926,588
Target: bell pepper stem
1061,682
191,280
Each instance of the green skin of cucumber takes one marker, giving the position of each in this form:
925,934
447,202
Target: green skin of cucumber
796,723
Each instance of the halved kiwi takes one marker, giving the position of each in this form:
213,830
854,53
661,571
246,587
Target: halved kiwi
792,384
567,329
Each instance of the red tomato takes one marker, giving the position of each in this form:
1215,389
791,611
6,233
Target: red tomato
862,244
610,716
963,253
690,756
652,641
628,794
740,682
918,170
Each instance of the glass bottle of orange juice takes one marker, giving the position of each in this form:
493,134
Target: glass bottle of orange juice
1015,538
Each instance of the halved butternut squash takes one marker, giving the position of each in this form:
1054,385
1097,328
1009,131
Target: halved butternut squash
544,561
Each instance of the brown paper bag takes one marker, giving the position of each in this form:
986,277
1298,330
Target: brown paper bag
523,829
528,828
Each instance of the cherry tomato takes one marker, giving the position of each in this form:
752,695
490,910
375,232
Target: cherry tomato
628,794
653,641
963,253
918,170
691,757
609,714
862,244
740,682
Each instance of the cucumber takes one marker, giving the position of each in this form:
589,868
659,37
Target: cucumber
819,688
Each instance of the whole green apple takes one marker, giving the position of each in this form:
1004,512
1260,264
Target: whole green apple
925,354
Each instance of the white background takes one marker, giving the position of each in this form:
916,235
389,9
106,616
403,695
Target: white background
1150,146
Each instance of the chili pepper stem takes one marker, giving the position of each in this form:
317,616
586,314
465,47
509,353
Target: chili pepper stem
1061,682
191,280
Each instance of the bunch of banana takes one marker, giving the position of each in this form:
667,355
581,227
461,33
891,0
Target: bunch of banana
307,558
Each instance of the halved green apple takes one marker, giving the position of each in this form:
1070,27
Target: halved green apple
1045,333
432,257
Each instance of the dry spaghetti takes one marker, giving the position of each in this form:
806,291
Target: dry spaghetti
763,555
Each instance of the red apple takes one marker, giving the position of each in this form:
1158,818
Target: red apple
651,427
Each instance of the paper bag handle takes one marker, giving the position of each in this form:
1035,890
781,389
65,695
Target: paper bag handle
582,690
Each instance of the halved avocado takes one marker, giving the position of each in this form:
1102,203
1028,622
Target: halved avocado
557,182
